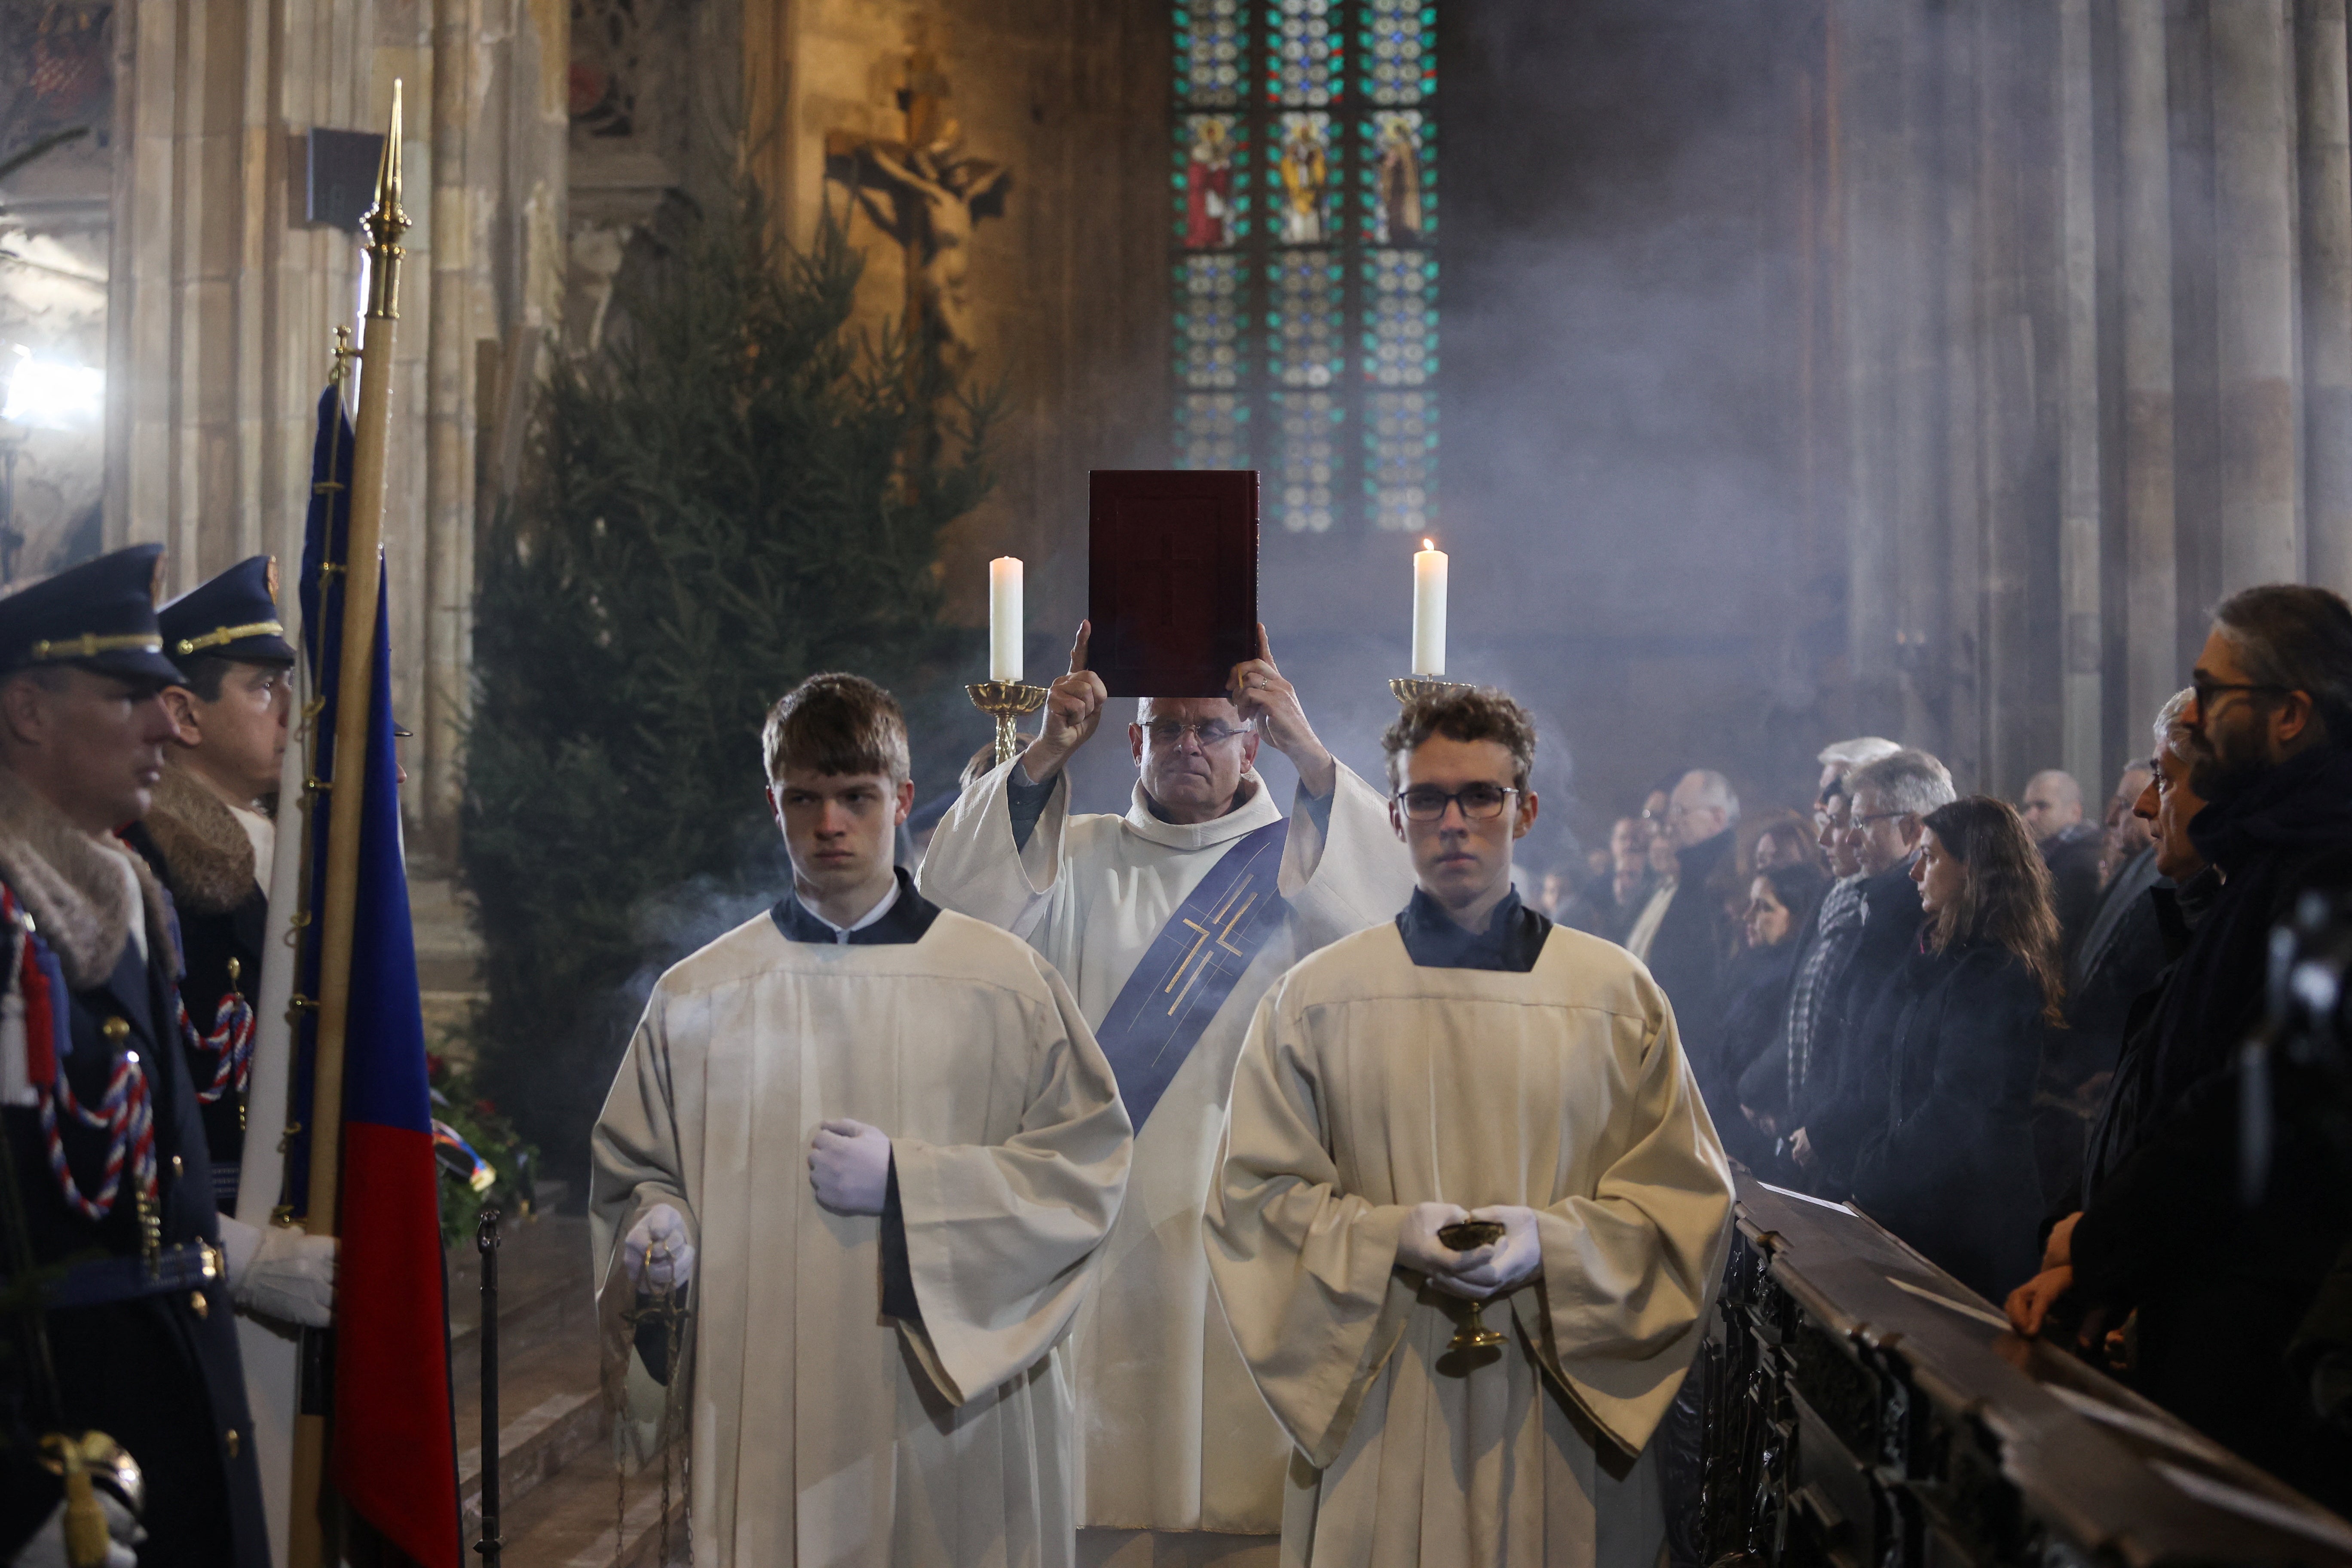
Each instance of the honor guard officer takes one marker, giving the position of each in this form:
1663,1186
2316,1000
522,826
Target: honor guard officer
208,837
117,1288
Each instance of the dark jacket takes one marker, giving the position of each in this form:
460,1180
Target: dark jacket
1845,1097
1597,910
2072,855
2120,957
2224,1288
2289,831
1949,1169
2122,952
2220,1286
2177,911
1695,941
160,1373
1756,992
201,855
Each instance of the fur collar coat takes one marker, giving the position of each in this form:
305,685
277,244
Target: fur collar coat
72,886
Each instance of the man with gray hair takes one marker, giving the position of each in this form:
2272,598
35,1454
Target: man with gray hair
1695,933
1774,1085
1890,798
1840,758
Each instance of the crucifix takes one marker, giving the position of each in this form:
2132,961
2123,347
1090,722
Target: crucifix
924,192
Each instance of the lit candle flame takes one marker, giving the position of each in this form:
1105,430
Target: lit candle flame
1427,544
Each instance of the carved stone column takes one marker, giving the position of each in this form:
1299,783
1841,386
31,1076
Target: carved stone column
2255,293
2079,565
2325,121
2151,582
222,298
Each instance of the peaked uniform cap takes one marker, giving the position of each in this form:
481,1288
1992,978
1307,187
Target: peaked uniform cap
234,615
99,615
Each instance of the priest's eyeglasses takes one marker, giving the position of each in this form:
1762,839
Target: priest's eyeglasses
1479,802
1208,732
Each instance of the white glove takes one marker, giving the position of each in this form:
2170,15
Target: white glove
1504,1266
661,1234
46,1549
276,1271
849,1167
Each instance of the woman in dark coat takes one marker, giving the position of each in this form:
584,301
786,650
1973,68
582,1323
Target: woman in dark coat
1781,903
1952,1169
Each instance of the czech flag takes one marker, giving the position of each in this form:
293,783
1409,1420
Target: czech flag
394,1455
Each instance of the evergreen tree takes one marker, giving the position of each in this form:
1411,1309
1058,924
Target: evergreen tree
737,490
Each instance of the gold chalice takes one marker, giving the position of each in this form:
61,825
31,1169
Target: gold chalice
1473,1341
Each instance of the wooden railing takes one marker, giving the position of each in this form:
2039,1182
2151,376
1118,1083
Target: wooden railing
1865,1408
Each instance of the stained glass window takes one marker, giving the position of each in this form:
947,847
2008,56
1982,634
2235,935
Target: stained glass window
1303,228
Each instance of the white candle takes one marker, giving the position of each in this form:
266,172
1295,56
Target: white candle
1429,610
1004,618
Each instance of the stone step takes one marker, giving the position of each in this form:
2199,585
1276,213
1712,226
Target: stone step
582,1518
551,1410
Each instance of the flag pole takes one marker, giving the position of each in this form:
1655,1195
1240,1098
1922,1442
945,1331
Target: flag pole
372,433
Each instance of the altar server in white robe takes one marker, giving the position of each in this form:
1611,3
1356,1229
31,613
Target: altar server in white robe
1467,1060
1171,921
878,1144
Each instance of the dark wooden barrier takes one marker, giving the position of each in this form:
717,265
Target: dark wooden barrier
1867,1409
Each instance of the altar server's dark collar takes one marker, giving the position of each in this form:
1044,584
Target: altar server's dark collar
233,617
1513,939
907,919
99,615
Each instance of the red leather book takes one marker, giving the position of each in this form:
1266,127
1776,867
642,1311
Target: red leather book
1172,578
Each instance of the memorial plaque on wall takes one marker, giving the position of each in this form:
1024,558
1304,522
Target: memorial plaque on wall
1172,578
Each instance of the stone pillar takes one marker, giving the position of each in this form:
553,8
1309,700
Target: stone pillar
1959,656
448,541
222,300
138,331
2254,264
2012,119
2151,585
2325,121
1875,160
2081,698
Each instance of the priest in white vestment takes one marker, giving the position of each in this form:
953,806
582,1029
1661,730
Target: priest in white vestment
877,1144
1171,922
1468,1060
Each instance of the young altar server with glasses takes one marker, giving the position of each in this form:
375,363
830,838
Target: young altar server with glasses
875,1145
1467,1062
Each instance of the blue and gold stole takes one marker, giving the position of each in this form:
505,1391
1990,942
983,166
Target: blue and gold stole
1189,969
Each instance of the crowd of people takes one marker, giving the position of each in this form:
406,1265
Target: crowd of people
1128,1189
2012,1034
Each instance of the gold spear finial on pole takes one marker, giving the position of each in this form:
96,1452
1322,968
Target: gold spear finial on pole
385,222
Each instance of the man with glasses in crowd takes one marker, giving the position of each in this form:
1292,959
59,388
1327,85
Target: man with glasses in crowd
2220,1285
1172,921
1890,798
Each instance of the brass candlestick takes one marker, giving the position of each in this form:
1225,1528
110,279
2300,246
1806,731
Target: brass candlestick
1004,701
1408,688
1473,1341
